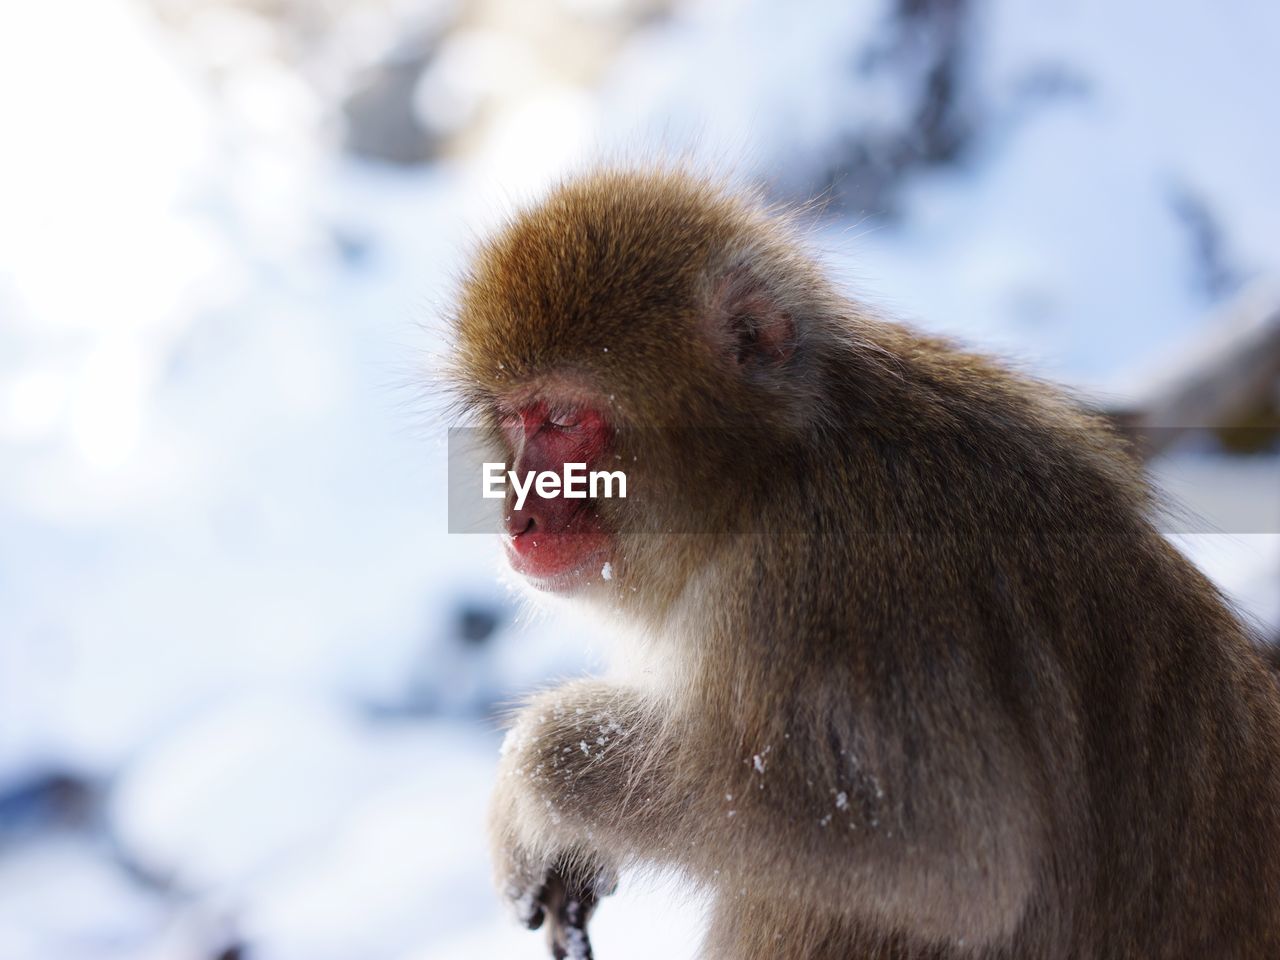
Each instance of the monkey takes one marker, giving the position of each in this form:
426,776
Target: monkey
922,679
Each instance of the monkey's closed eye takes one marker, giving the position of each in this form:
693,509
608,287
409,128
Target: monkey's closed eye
565,420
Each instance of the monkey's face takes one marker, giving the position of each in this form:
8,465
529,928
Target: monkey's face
555,538
643,322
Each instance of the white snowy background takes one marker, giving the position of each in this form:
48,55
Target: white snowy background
248,682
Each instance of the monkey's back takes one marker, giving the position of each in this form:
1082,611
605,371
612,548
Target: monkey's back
1013,537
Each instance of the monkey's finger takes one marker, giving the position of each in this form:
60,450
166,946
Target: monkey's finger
573,949
571,927
568,934
534,919
576,911
531,907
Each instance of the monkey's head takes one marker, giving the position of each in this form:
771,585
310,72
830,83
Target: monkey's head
643,322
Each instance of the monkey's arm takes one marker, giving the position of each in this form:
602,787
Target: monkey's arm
598,776
546,864
569,763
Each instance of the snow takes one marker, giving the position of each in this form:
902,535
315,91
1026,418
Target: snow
60,897
228,599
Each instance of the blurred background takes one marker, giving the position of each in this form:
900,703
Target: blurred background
248,682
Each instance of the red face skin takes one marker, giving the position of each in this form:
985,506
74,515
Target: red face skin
556,543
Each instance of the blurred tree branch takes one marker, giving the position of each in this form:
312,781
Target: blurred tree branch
1227,383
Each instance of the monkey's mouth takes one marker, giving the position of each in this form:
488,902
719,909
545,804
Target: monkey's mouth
559,560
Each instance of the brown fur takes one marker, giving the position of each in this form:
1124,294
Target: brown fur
931,683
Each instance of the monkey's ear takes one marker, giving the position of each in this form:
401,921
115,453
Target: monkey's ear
748,324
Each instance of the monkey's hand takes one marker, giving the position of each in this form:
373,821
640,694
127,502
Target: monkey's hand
568,905
560,889
546,866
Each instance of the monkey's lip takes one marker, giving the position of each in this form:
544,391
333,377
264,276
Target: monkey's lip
558,560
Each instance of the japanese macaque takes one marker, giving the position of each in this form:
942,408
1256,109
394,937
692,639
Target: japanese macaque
925,680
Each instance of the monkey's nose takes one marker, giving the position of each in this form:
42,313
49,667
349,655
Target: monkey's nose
519,521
